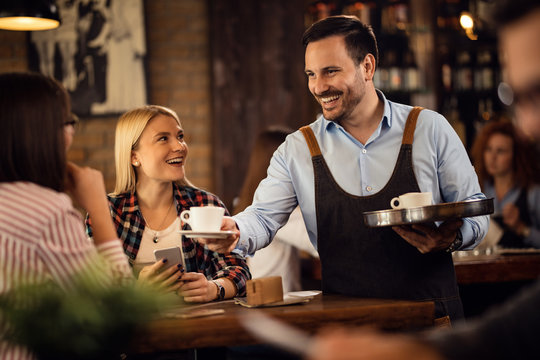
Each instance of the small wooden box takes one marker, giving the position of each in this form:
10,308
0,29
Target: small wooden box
264,290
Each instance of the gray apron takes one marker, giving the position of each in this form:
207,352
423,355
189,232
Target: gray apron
376,262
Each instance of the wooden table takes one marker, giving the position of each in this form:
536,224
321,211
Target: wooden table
497,268
224,330
489,280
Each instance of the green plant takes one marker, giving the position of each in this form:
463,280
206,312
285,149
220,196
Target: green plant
85,322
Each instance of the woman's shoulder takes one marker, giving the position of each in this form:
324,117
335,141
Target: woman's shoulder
534,192
34,195
119,200
196,196
32,201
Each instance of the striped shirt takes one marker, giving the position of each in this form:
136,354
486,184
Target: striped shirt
42,239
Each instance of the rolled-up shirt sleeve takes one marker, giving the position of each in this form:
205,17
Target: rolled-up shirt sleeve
231,266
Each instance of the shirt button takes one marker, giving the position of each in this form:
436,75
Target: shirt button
369,188
364,151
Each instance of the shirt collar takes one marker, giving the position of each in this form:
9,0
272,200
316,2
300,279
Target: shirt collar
387,113
386,121
131,204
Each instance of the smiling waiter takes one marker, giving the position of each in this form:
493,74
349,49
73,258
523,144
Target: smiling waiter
363,151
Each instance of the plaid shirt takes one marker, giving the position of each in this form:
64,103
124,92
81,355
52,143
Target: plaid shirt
130,227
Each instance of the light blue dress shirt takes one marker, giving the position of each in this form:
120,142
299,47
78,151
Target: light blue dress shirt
440,162
533,203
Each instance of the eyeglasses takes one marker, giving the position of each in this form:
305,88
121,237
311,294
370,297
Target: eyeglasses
527,97
73,121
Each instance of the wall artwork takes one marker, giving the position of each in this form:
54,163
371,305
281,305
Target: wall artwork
97,53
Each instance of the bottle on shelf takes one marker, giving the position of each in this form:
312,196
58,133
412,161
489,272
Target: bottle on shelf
483,77
448,17
447,68
394,71
464,74
451,112
364,10
412,77
395,16
318,10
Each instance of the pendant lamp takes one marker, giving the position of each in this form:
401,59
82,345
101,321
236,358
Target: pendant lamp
28,15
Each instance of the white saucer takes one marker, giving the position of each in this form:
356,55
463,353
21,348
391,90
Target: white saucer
303,294
206,234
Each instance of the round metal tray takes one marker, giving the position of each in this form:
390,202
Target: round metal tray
431,213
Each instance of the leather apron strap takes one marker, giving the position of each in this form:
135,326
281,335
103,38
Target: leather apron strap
312,143
410,126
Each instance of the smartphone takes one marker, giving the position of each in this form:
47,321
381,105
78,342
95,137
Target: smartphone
173,255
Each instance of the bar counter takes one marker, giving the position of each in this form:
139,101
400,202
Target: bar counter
489,280
169,334
497,268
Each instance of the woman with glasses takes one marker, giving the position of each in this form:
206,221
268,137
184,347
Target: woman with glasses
42,236
70,126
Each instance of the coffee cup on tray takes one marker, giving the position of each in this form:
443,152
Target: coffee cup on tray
411,200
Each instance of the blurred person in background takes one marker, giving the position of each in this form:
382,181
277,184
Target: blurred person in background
150,193
282,257
505,170
505,332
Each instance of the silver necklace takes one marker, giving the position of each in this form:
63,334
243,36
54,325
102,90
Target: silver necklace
155,238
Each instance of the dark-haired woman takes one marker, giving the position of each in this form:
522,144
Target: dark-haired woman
506,173
42,236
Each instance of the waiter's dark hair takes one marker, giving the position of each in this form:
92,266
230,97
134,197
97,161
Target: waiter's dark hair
33,110
508,11
359,37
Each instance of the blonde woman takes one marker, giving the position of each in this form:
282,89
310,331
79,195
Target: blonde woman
151,191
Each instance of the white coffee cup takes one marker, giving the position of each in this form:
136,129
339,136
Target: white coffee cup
203,218
410,200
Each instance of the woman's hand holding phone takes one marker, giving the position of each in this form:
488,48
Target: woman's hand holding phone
159,276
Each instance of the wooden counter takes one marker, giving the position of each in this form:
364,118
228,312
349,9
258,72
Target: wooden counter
489,280
497,268
224,329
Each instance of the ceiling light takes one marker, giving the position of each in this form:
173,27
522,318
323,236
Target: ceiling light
466,21
28,15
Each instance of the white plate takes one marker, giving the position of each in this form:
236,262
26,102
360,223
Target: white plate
206,234
286,301
303,294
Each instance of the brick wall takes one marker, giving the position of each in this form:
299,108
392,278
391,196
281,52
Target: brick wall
178,76
13,52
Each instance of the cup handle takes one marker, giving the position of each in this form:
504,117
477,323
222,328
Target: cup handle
185,216
393,203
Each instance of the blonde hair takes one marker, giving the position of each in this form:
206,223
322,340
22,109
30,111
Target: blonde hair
128,132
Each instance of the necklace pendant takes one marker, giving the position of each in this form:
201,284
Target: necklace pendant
156,239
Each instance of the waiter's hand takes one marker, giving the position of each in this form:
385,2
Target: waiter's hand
224,246
427,238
